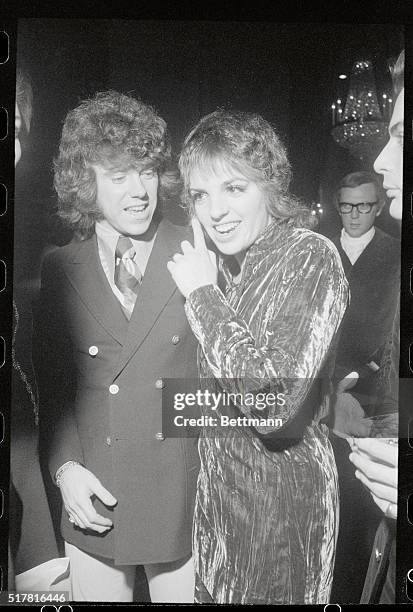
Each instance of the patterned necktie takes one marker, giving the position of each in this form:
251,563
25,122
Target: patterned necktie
128,277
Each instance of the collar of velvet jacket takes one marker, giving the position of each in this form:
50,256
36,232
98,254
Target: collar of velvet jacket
269,239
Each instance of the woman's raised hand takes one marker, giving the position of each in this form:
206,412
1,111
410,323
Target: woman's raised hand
196,266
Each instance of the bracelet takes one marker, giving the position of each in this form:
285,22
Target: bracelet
62,470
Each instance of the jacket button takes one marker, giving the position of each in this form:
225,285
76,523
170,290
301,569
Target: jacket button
378,555
93,351
109,441
175,339
160,436
113,389
159,384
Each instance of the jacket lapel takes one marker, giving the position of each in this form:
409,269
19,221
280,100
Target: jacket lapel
347,265
87,277
156,290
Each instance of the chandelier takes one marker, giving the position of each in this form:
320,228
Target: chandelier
360,125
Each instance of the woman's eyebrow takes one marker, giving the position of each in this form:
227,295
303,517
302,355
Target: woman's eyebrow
235,178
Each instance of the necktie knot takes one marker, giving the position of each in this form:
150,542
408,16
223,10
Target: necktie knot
124,245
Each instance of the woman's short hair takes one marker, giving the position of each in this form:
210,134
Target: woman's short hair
248,143
114,130
397,73
355,179
24,99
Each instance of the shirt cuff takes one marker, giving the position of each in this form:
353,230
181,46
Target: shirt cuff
59,473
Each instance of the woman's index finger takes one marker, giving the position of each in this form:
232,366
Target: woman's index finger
199,238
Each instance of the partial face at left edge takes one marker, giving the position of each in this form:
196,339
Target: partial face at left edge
17,143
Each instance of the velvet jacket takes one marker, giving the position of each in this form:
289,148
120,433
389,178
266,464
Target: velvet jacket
265,519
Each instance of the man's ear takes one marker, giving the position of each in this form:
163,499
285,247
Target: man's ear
379,210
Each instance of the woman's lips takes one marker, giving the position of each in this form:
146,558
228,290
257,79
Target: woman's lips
226,229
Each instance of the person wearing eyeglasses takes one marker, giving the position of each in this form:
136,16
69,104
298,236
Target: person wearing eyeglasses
371,261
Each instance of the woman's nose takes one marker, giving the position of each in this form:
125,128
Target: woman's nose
218,207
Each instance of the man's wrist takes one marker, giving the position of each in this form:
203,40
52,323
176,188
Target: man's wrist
62,470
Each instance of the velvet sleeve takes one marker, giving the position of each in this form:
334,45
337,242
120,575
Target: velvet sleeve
301,315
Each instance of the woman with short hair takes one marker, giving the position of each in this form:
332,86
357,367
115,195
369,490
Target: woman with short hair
265,316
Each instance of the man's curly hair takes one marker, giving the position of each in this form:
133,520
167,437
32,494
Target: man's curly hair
118,132
248,143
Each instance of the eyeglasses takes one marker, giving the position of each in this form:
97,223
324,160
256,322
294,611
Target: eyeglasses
362,207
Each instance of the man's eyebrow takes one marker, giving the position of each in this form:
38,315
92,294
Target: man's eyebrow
149,165
110,171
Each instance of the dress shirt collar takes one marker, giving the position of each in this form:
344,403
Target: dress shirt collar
108,237
353,247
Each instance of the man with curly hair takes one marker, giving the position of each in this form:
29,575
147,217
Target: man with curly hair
113,330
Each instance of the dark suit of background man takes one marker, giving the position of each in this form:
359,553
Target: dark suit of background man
371,261
112,328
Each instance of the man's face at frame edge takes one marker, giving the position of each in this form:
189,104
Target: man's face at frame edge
356,223
127,198
390,161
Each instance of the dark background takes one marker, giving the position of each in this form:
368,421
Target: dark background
186,69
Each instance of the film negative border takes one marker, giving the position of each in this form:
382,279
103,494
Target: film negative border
7,102
404,536
405,529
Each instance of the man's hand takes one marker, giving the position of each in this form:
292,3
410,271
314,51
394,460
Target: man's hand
78,485
195,266
349,417
376,463
348,382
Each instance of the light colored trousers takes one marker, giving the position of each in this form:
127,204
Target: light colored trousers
97,579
